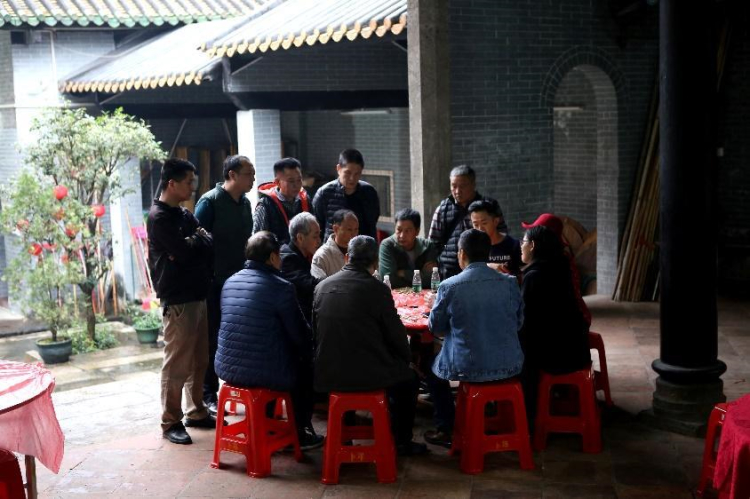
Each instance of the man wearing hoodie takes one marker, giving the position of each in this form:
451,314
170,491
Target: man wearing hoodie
279,201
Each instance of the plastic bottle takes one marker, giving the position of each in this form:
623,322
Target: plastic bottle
387,281
435,279
416,282
376,274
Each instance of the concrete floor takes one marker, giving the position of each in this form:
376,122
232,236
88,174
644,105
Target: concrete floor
114,447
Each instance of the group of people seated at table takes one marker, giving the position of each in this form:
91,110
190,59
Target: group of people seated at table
305,314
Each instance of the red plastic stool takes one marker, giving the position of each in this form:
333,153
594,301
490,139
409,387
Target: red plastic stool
256,436
587,422
715,422
601,378
11,483
469,432
383,450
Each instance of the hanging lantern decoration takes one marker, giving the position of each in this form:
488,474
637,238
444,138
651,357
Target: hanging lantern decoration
61,192
35,249
98,210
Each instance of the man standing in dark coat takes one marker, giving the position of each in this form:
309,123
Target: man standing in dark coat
180,258
264,340
296,256
281,200
361,342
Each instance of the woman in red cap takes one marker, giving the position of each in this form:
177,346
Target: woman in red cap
554,336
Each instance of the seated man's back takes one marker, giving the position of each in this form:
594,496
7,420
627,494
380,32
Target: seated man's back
480,312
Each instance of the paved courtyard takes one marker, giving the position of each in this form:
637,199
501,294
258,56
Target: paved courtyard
114,447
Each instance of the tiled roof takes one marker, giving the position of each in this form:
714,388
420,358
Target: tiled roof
121,13
295,23
174,58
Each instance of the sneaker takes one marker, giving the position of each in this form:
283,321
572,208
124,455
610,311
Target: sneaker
309,440
177,434
207,422
411,449
438,437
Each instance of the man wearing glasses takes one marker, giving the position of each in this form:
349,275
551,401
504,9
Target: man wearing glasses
180,258
225,212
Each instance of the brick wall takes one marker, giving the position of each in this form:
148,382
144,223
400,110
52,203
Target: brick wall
382,139
8,156
508,59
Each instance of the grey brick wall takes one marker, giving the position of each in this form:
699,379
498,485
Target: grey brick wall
373,64
508,59
8,157
382,139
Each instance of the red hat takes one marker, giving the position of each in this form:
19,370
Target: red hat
548,220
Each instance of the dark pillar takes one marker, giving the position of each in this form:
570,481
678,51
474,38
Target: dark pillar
429,105
688,384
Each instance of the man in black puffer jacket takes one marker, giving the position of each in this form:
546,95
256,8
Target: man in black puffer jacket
264,340
452,218
348,192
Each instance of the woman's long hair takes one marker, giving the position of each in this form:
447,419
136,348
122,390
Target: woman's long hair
547,244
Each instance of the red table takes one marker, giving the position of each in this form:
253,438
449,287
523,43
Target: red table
732,471
414,310
27,417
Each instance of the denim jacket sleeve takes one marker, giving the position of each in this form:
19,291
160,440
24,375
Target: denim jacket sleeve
440,314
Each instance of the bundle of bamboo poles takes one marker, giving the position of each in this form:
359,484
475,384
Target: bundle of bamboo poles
638,247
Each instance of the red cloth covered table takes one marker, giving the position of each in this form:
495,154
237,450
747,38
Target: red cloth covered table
414,311
732,471
27,417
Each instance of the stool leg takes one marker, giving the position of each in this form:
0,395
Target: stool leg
472,455
333,442
522,429
386,464
261,456
216,463
707,467
592,434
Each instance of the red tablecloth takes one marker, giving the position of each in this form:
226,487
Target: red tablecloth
732,471
27,416
414,311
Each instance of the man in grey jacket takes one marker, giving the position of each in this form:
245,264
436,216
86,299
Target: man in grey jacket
329,258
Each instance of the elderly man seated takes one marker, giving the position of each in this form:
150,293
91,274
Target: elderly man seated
304,233
329,259
264,340
361,342
405,252
480,312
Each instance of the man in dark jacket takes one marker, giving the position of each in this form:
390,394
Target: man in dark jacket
452,218
348,192
180,257
264,340
296,256
361,342
225,212
279,201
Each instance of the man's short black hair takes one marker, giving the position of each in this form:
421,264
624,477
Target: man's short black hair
464,171
261,246
176,169
234,164
476,244
286,164
351,156
340,215
490,206
363,251
411,215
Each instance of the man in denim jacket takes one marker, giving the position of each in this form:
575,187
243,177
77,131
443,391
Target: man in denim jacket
479,311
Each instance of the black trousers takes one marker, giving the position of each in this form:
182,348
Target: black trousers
402,405
213,306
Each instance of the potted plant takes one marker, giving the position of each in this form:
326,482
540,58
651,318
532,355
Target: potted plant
147,327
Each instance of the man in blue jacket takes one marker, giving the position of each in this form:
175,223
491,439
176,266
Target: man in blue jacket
264,340
480,312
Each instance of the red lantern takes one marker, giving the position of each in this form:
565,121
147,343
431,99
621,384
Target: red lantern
22,224
61,192
98,210
35,249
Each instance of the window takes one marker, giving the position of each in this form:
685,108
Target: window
382,181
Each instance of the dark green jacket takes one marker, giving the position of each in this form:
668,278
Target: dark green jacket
231,224
394,258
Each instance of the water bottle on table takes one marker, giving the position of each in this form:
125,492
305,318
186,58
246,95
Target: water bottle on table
416,282
435,279
387,280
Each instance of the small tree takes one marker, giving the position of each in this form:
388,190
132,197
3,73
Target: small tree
76,158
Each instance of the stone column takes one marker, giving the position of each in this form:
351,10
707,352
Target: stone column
689,370
126,209
429,105
259,138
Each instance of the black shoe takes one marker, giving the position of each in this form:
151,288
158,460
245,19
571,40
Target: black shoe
411,449
213,408
177,435
438,437
207,422
309,440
